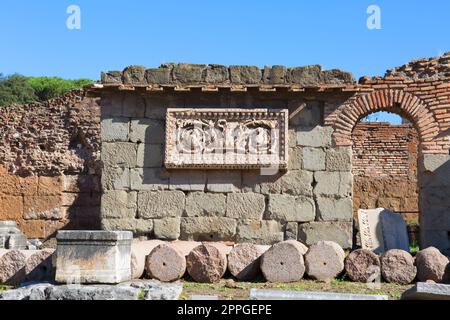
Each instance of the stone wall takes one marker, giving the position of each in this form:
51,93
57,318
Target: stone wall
50,169
385,168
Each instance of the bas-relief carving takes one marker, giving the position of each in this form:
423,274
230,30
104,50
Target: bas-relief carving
226,138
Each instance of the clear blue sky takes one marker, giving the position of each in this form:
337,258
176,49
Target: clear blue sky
114,34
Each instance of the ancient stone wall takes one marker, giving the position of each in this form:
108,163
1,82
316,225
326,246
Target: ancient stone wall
385,168
50,169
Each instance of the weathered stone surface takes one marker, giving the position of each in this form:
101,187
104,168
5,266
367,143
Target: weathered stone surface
262,232
187,180
206,263
158,75
245,206
123,154
315,137
262,294
340,232
148,179
160,204
223,181
27,292
397,266
93,256
155,290
339,159
291,231
12,266
119,204
431,265
362,266
116,178
200,204
133,106
324,260
295,158
150,155
427,291
216,74
297,182
208,228
139,251
333,183
395,232
313,159
262,181
245,74
336,76
283,262
287,208
185,247
308,76
42,207
137,226
244,261
133,75
16,241
332,209
188,73
147,131
92,292
115,129
432,162
165,263
275,75
111,77
39,265
167,228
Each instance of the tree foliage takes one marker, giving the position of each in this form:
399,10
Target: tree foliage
47,88
15,89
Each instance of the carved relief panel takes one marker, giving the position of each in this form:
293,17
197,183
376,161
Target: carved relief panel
226,138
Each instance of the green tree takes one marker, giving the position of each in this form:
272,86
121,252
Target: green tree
47,88
15,89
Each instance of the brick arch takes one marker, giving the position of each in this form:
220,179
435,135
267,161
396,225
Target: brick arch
396,101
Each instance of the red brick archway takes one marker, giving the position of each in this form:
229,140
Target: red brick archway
396,101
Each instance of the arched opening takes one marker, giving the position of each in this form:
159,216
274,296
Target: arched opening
385,167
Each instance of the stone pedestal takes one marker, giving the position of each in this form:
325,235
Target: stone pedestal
93,256
11,237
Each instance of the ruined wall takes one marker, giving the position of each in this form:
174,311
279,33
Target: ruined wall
49,175
385,168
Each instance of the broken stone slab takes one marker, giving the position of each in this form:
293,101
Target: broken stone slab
17,241
244,261
12,266
39,265
284,262
139,251
206,264
91,292
427,291
382,230
324,261
165,263
398,266
34,291
431,265
262,294
93,256
362,265
156,290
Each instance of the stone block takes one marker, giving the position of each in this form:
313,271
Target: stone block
216,74
158,75
332,209
93,256
263,294
275,75
150,155
262,232
223,181
297,182
245,206
245,74
137,226
339,232
427,291
199,204
147,131
115,178
333,184
111,105
167,228
187,180
208,228
262,181
11,207
295,158
287,208
133,75
160,204
111,77
308,76
16,241
432,162
291,231
188,73
133,106
339,159
313,159
42,207
315,137
119,154
114,129
119,204
149,179
50,186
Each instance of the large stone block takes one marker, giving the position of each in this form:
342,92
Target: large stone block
208,228
115,129
223,181
150,155
297,182
432,162
216,74
333,184
42,207
160,204
50,186
115,178
313,159
245,206
262,181
245,74
147,131
339,232
308,76
199,204
315,137
149,179
122,154
158,75
137,226
119,204
133,106
187,180
295,158
339,159
133,75
167,228
93,256
11,207
262,232
188,73
287,208
331,209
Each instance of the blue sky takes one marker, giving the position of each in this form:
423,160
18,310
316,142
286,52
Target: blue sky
114,34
